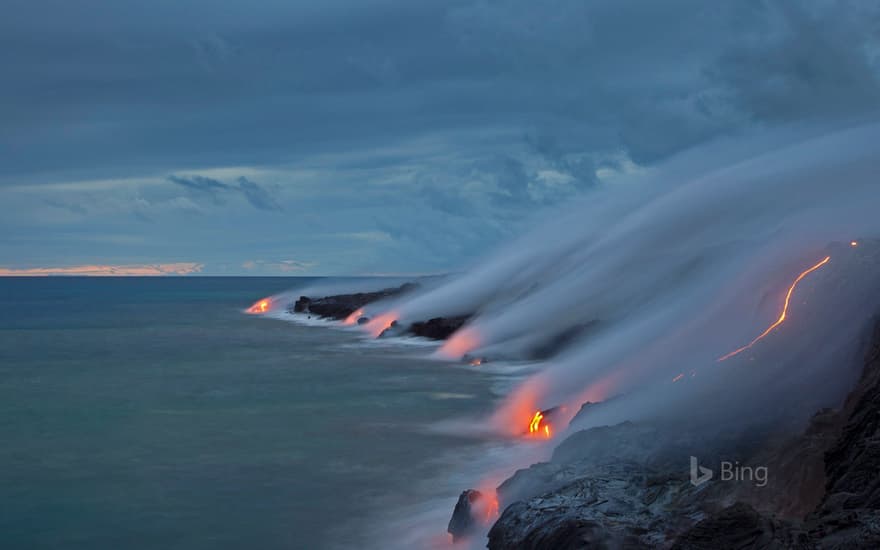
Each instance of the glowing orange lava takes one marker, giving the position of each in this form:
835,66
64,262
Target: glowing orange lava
381,323
854,244
353,318
461,343
261,306
536,428
782,316
492,508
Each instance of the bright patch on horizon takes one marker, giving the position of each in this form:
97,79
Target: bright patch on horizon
782,316
133,270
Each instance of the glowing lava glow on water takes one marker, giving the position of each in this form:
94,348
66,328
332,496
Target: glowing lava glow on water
539,426
783,315
381,323
461,343
353,318
261,306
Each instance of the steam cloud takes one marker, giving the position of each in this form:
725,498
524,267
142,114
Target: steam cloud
671,269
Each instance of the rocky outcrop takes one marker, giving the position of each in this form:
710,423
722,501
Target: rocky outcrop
464,518
741,526
849,515
438,328
607,505
341,306
622,486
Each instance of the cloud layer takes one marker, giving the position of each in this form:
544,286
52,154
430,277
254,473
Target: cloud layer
140,136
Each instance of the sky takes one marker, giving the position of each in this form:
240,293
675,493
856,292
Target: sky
355,137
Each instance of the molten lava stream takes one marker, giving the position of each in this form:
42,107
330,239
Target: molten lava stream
539,426
353,318
261,306
782,316
381,323
461,343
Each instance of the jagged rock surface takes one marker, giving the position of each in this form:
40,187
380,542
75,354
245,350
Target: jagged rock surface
592,495
463,522
741,526
610,505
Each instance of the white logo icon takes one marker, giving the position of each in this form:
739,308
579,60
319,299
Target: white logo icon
699,474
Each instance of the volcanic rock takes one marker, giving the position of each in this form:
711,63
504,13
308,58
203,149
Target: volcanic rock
740,526
438,328
623,486
341,306
606,505
392,330
463,521
849,515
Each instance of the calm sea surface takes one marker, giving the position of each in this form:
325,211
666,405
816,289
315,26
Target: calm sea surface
152,413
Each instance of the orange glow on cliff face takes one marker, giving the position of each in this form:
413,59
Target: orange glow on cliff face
538,426
854,244
782,316
353,318
492,507
460,343
261,306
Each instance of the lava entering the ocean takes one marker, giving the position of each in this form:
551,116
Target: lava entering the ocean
782,316
261,306
353,318
539,426
460,343
381,323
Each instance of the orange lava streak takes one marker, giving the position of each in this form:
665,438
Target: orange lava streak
381,323
492,507
782,316
261,306
535,427
353,318
464,341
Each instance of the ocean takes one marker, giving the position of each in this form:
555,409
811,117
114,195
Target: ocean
153,413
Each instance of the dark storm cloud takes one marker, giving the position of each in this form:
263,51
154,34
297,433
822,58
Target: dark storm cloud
200,186
259,198
397,115
191,84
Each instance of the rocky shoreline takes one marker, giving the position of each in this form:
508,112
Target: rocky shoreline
624,486
341,306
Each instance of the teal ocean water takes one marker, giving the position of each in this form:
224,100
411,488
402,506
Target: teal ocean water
152,413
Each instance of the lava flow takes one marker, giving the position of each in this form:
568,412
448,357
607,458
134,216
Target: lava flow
782,316
460,343
353,318
381,323
539,426
261,306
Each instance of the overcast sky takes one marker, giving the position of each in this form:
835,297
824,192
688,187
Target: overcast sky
377,136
